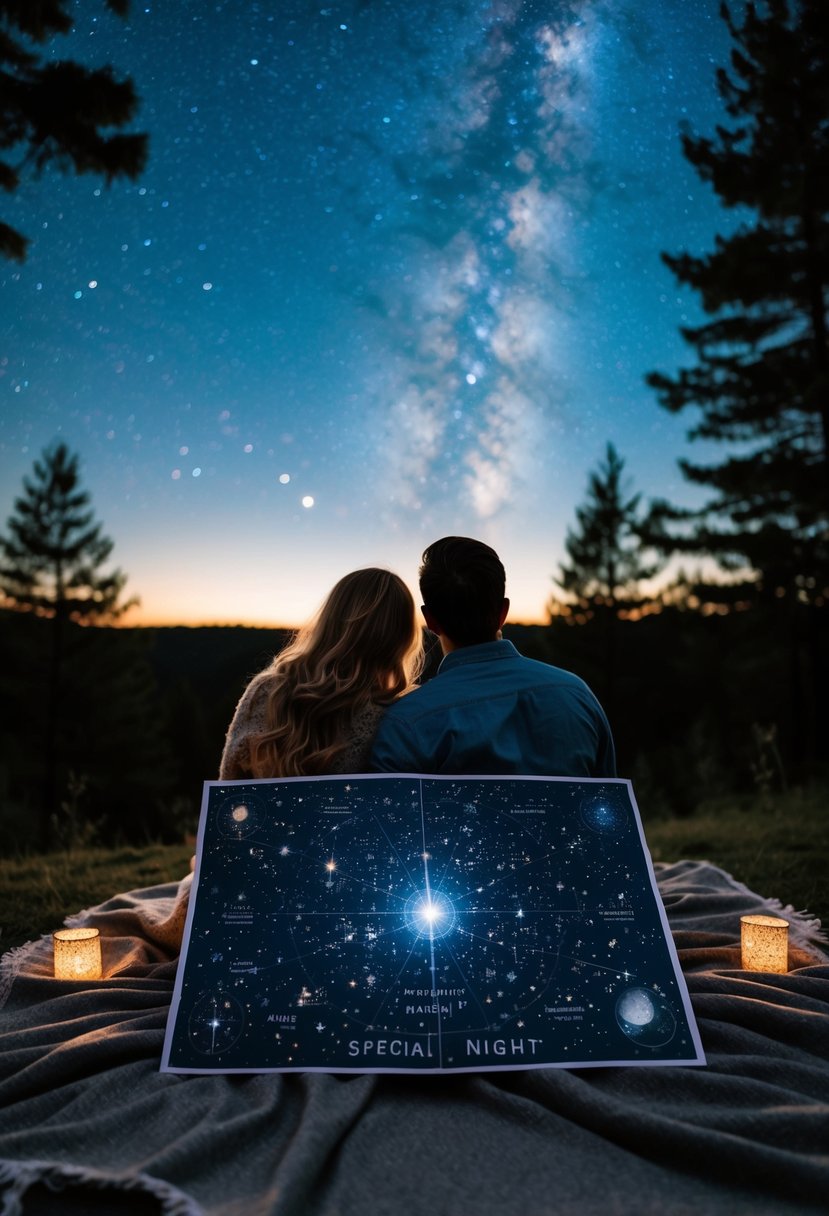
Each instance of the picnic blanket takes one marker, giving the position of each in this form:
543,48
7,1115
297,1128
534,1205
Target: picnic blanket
88,1124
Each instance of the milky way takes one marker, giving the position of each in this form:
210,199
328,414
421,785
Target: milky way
391,272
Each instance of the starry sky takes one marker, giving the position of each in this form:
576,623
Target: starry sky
392,272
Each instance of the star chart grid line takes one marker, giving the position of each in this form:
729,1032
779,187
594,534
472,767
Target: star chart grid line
504,877
394,849
556,954
471,987
352,878
390,990
432,968
449,861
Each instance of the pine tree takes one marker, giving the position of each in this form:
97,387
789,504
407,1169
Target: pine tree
52,559
760,382
54,552
605,550
606,563
58,111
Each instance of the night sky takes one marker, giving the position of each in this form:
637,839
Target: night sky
392,272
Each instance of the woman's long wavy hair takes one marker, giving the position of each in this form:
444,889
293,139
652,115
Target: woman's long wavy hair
363,646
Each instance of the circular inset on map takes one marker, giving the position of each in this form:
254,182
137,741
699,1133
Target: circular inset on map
215,1023
644,1017
604,815
238,817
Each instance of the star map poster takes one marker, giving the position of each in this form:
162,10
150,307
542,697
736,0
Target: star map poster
425,924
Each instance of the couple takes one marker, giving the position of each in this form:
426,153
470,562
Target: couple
342,697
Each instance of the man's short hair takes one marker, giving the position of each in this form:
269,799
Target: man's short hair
462,583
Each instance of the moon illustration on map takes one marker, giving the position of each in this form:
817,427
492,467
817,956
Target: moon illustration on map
645,1018
239,817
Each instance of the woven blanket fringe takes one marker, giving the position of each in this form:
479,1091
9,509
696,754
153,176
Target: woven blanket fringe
19,1176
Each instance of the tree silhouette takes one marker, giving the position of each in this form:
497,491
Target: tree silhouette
58,111
760,381
605,550
54,551
52,559
606,564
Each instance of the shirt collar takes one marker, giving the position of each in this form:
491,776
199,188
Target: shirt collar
485,652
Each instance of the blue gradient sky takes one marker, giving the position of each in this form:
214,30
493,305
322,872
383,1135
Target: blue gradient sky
402,259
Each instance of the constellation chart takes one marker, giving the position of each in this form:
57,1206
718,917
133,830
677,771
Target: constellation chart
407,923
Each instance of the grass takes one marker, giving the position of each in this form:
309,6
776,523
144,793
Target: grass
779,849
38,891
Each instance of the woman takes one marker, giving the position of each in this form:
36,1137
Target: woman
316,708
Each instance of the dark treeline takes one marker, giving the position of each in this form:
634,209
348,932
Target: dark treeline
704,703
709,700
140,725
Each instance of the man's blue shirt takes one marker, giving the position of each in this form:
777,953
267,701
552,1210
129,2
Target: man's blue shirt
490,710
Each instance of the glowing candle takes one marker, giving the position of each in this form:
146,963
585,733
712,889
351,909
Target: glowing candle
77,954
765,943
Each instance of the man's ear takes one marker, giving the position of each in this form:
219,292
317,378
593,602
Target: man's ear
503,616
431,622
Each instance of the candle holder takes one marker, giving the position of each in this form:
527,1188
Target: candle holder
765,943
77,954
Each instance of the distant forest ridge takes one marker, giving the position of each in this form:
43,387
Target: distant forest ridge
700,705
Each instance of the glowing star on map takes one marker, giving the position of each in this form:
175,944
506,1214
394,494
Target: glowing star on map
430,914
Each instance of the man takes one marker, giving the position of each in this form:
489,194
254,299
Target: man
488,709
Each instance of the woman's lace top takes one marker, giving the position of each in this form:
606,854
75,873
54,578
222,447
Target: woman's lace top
250,719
